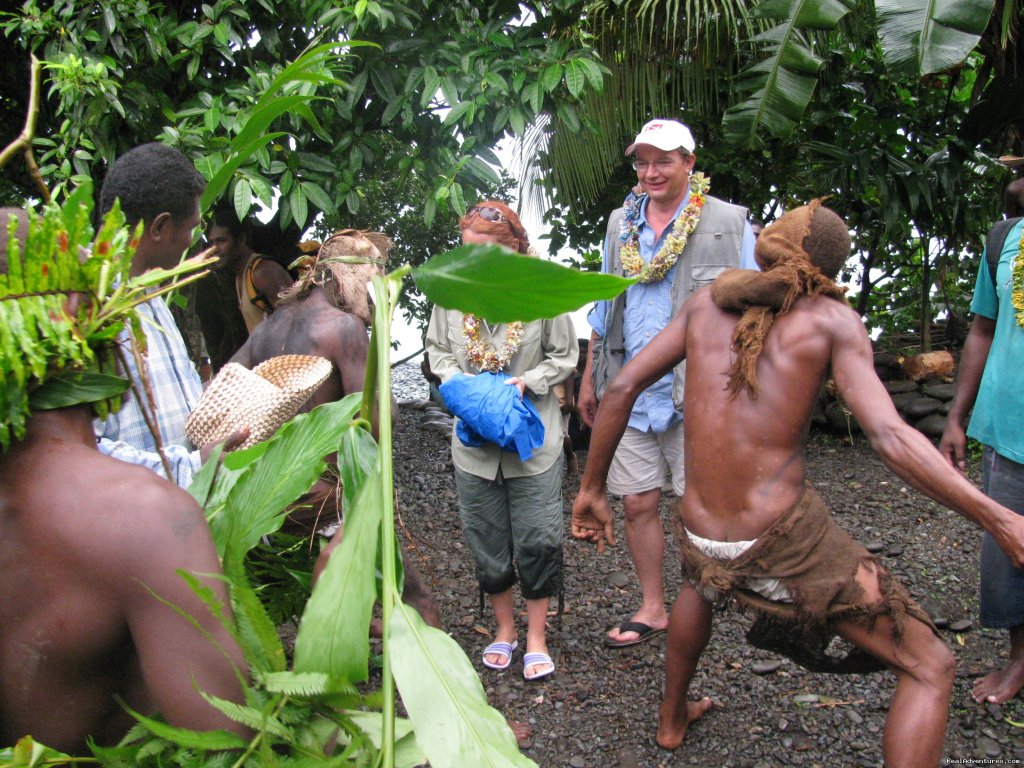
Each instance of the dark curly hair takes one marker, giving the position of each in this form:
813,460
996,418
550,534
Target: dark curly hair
224,215
149,180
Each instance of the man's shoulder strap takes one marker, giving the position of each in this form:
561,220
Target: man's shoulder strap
256,296
995,241
612,238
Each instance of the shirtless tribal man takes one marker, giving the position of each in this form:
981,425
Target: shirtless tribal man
758,348
90,547
326,313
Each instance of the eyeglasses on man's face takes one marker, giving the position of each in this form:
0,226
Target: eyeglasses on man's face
487,213
664,165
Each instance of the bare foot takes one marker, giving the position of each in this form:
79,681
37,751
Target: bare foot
1001,685
671,735
523,733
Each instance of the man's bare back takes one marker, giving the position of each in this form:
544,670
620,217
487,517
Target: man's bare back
744,457
326,313
89,546
311,325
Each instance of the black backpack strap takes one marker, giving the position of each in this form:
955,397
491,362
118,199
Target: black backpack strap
995,241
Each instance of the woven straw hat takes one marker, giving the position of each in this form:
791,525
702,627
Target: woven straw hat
262,399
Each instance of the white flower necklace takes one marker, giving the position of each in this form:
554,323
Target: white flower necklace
483,355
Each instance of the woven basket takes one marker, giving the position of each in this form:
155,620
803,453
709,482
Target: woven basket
262,399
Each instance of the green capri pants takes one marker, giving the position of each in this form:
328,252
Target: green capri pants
514,519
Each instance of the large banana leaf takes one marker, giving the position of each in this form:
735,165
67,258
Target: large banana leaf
781,85
930,35
333,636
442,693
503,287
248,503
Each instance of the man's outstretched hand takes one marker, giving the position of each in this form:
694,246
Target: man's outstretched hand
1011,541
592,518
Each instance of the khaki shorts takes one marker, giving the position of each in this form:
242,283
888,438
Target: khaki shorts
643,460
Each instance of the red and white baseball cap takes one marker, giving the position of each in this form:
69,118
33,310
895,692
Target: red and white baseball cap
666,135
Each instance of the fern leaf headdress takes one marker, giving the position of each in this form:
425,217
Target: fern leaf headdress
56,353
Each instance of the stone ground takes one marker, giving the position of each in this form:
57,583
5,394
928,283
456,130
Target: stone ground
599,709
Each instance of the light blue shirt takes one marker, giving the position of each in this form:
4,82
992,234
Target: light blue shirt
176,388
998,416
647,311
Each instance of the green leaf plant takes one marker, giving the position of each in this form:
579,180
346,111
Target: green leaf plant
326,709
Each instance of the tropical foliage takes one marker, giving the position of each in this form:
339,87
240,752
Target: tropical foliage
394,133
55,354
410,118
320,712
820,99
761,64
426,94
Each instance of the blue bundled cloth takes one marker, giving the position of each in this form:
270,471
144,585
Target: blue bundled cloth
489,410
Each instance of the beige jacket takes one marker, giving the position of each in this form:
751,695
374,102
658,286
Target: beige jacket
547,354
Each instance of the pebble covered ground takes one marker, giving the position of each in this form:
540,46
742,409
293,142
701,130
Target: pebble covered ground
600,707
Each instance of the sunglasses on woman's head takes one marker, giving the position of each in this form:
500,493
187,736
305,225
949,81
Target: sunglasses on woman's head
487,213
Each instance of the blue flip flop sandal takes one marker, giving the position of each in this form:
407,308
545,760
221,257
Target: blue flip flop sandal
531,659
504,649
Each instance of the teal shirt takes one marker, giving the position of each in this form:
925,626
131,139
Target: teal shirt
998,416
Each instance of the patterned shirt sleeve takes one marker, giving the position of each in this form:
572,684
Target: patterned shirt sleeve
175,388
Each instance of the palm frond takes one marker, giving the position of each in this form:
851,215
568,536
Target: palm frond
305,684
664,58
255,633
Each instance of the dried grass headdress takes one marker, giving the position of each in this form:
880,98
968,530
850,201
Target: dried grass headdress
800,255
56,353
346,262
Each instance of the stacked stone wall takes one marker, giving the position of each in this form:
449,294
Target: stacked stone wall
921,387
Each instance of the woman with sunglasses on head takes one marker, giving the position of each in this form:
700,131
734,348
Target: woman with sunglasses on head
511,508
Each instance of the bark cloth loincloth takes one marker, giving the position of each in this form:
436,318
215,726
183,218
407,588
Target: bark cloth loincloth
817,562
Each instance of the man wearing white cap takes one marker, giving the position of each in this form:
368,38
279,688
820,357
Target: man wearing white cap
674,238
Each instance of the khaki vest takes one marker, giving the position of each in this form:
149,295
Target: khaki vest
715,245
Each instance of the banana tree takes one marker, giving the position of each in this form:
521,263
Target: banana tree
917,38
758,62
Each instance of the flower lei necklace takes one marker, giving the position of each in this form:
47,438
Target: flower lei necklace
1017,287
629,250
483,355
